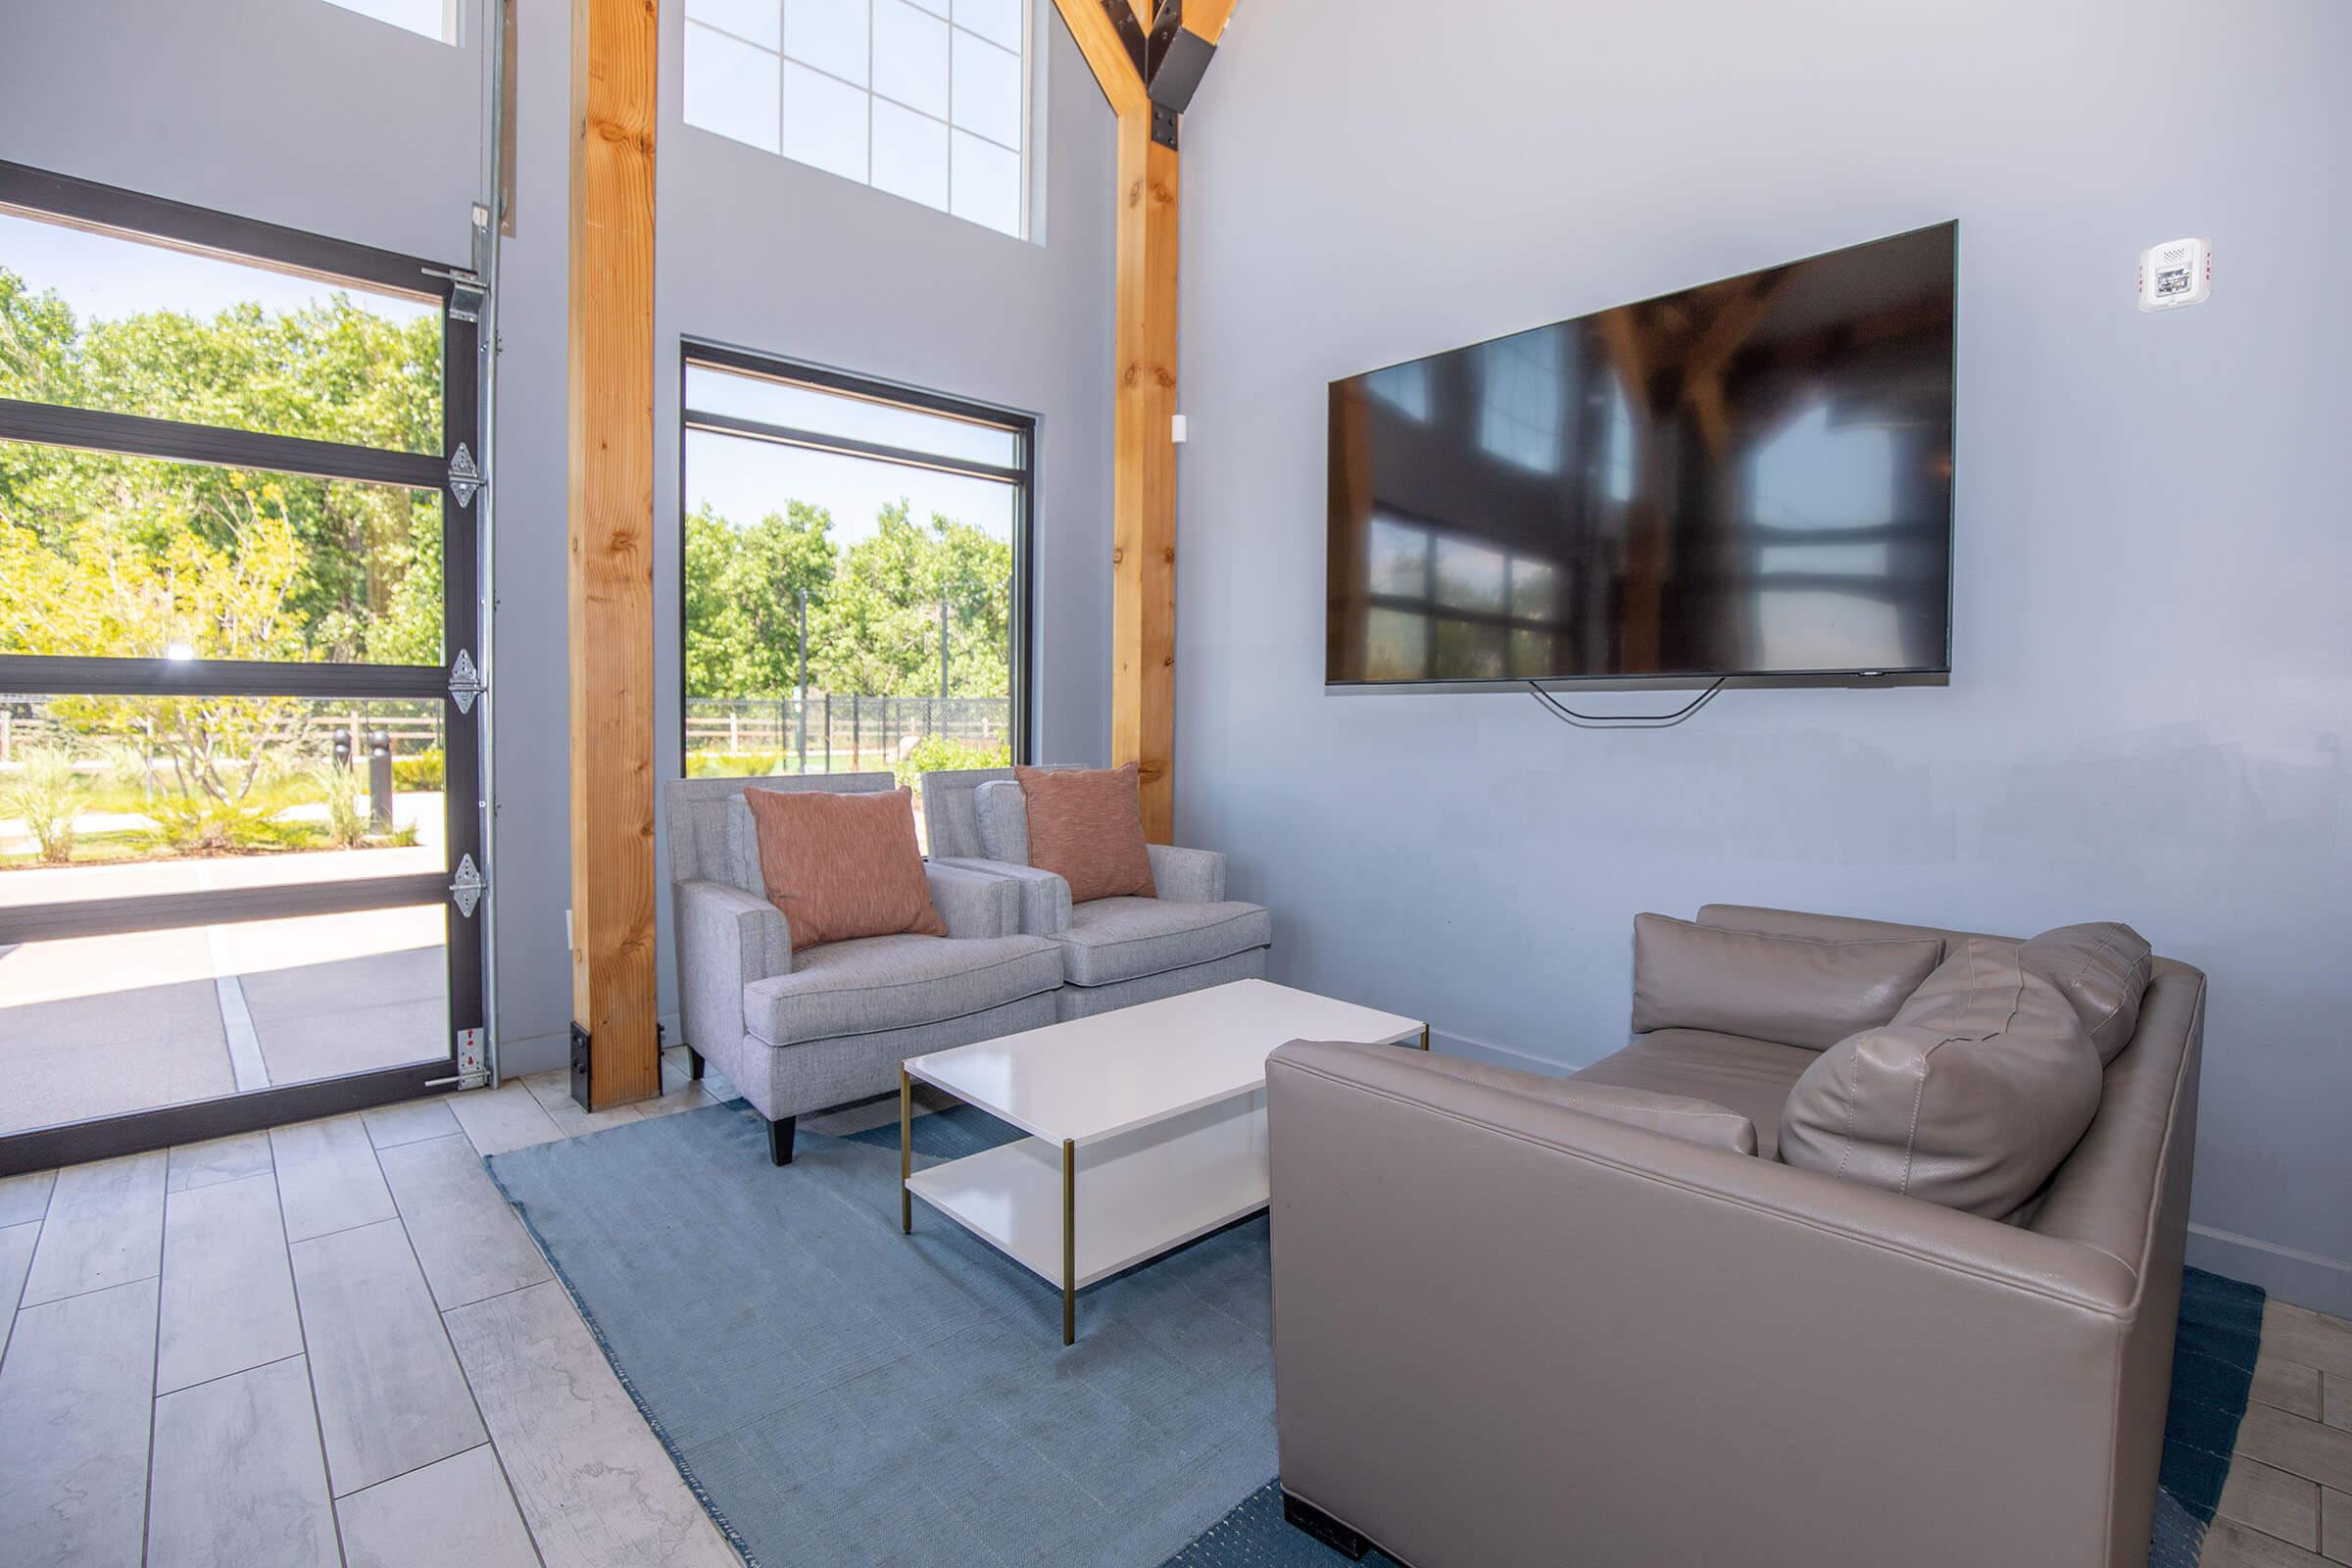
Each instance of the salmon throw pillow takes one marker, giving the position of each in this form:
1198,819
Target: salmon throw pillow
1086,826
843,865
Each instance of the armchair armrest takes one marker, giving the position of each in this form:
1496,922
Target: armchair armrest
1553,1286
1187,876
972,903
726,939
1044,898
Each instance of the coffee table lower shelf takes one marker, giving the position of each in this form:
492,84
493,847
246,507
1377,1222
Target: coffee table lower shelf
1135,1196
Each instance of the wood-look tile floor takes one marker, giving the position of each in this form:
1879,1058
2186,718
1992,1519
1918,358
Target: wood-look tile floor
335,1343
326,1343
2288,1504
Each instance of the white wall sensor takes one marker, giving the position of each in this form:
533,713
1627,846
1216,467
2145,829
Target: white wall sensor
2176,273
1176,431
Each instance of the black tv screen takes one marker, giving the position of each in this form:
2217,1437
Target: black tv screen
1752,477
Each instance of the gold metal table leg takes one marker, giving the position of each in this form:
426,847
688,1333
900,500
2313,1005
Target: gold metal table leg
1069,1243
906,1152
1425,1037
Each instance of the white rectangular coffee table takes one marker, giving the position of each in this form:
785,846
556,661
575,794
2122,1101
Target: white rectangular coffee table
1147,1126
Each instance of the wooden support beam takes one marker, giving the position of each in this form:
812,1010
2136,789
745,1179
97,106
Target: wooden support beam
1143,552
1099,40
1143,694
610,579
1207,19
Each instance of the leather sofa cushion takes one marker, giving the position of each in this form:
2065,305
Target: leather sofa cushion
1750,1078
842,866
1799,991
2103,969
896,982
1110,940
1692,1120
1086,826
1971,1098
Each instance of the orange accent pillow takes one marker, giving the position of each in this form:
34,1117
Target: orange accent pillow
1086,826
843,865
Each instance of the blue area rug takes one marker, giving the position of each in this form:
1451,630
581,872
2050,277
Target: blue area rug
836,1392
839,1393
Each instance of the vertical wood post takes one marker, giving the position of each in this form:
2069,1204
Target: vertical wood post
1147,58
611,407
1142,553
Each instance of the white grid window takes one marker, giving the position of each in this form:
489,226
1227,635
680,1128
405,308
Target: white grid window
926,99
433,18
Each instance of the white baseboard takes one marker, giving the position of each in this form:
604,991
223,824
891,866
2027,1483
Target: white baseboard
542,1053
532,1053
1499,1056
2306,1279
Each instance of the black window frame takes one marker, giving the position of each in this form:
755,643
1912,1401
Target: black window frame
1021,476
135,215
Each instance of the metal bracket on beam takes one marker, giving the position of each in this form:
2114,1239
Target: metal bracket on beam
1131,35
1167,24
581,1058
1176,72
1163,125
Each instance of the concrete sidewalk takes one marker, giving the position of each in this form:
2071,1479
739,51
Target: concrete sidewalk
100,1026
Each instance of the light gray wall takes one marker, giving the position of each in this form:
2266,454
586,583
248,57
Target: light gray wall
305,113
2154,657
290,111
757,251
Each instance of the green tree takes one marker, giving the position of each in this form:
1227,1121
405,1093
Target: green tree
110,555
880,627
743,587
370,585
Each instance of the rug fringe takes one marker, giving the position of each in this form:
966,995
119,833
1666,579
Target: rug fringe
734,1537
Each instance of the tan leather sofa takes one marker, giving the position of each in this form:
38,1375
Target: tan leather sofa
1508,1332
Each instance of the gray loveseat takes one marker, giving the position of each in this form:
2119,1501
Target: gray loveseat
1614,1323
799,1032
1115,951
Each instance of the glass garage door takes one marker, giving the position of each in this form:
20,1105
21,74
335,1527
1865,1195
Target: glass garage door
240,718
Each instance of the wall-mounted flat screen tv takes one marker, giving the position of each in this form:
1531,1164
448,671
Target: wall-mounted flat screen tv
1748,478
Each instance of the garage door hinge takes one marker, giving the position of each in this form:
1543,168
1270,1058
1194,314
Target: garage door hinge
464,475
465,682
468,886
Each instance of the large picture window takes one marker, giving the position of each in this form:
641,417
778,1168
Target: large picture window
854,569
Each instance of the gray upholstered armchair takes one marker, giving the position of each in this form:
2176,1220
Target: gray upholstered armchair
1114,952
799,1032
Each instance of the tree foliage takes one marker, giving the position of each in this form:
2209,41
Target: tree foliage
873,609
124,556
364,582
109,556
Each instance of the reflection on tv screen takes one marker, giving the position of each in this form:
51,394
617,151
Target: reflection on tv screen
1749,477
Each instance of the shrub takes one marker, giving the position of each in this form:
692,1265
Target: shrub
421,770
734,765
47,794
346,818
935,754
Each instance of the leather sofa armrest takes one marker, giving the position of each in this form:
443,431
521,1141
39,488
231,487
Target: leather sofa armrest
973,904
1561,1294
1044,898
1187,876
